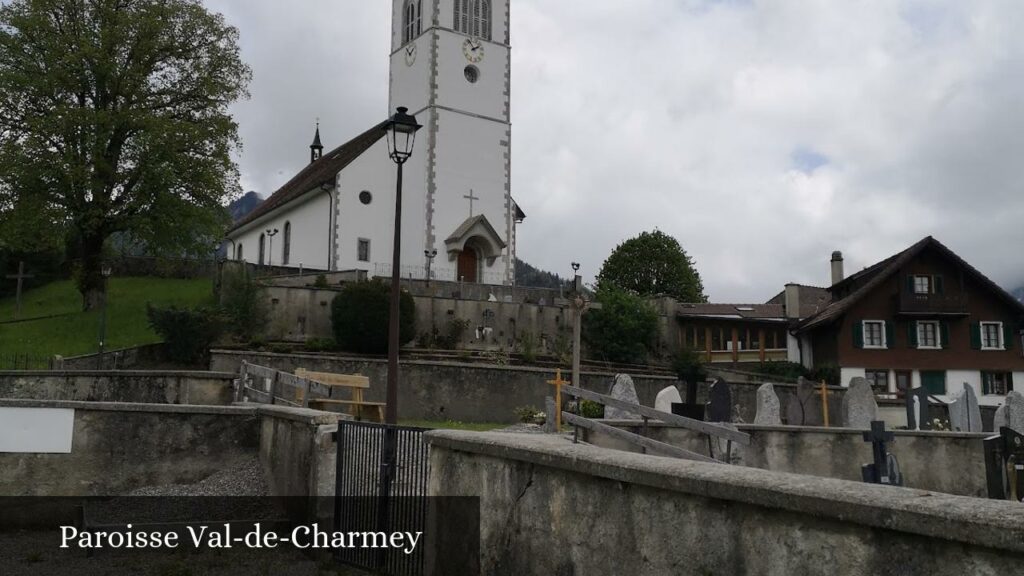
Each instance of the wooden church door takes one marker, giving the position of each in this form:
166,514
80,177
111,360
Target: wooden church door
467,266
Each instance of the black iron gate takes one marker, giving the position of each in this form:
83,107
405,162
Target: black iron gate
371,496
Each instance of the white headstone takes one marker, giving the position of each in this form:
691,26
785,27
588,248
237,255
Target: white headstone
769,409
964,412
623,390
666,398
1011,413
859,405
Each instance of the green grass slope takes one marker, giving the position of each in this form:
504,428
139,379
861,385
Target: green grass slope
77,332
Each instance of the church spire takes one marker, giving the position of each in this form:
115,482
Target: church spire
316,149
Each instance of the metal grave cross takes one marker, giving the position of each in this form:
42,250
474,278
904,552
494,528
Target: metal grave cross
557,383
471,198
20,277
879,472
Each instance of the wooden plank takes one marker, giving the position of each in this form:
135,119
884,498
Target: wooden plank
635,439
262,397
689,423
331,379
299,388
345,402
260,371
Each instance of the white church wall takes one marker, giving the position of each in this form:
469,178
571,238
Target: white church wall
410,84
309,234
373,172
486,96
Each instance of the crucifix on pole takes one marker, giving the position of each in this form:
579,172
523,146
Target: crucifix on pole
20,277
579,305
471,198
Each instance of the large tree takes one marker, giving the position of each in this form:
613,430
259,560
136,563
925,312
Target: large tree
114,119
653,263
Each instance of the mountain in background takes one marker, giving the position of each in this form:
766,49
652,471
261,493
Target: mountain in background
1018,293
243,206
531,277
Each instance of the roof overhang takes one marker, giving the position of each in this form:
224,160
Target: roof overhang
478,231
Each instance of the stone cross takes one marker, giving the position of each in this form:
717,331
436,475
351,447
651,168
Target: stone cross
471,198
624,390
666,398
20,277
557,383
879,472
769,410
859,406
964,412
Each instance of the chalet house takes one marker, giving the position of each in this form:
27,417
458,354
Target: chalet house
923,317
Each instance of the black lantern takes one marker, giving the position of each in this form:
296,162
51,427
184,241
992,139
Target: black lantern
401,131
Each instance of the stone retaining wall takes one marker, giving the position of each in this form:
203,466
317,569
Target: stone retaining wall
146,387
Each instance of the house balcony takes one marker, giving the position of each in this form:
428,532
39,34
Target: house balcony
932,304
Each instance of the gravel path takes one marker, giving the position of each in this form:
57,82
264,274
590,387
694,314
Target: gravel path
240,478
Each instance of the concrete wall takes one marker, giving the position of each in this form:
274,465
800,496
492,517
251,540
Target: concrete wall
551,507
117,448
297,450
444,390
146,387
949,462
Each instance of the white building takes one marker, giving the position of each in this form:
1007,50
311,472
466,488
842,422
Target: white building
451,67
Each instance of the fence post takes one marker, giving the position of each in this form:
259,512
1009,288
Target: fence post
240,383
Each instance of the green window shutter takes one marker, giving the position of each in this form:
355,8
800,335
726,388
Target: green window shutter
858,334
890,337
938,284
1008,336
944,333
975,336
912,334
910,284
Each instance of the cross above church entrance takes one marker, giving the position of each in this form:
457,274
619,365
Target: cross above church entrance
471,198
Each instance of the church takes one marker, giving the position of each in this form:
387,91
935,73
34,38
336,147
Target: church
451,67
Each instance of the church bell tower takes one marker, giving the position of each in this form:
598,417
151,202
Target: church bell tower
451,67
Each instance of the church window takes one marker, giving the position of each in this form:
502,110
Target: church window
263,248
412,23
472,74
287,250
363,250
365,197
473,17
238,253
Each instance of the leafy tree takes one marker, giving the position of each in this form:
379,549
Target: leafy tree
624,329
653,263
114,119
245,305
359,317
187,333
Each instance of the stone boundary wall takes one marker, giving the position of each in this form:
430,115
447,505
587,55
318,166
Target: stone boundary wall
145,387
949,462
297,449
551,507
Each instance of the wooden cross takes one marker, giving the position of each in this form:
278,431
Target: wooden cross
471,198
20,277
557,383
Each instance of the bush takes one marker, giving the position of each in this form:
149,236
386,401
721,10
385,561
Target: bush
188,334
591,409
320,282
320,345
528,414
624,329
828,372
245,305
528,347
689,367
783,369
359,317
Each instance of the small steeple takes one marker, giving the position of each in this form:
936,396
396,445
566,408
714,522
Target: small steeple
316,149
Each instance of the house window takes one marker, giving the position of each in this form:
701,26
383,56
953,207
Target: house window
287,250
411,20
928,335
922,284
991,335
363,250
879,380
1000,383
473,17
874,334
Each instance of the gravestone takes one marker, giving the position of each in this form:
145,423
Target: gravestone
1011,413
720,402
666,398
804,408
624,391
859,406
964,412
918,409
550,415
769,411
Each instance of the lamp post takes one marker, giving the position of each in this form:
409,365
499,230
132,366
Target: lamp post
430,255
578,304
401,133
270,252
105,272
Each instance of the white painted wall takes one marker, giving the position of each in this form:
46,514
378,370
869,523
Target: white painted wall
847,374
310,228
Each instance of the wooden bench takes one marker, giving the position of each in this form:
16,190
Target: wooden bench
356,383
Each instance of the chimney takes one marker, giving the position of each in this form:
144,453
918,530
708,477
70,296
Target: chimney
837,267
792,305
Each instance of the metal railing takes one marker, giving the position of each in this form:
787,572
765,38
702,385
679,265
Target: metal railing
25,361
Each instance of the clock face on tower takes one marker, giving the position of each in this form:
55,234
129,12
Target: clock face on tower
410,53
473,50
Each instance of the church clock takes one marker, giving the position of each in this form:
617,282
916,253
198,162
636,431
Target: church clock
410,53
473,49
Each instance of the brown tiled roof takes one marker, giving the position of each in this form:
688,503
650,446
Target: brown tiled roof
735,311
323,171
892,265
813,299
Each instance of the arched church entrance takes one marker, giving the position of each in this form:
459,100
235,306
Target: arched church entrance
469,263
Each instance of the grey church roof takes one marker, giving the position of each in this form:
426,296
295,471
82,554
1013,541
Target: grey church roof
323,171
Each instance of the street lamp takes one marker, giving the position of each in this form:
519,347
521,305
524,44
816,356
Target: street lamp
270,253
105,272
430,255
401,134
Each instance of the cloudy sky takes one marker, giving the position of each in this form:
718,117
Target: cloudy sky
762,134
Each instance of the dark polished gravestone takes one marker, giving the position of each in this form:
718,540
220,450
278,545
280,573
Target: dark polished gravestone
720,402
